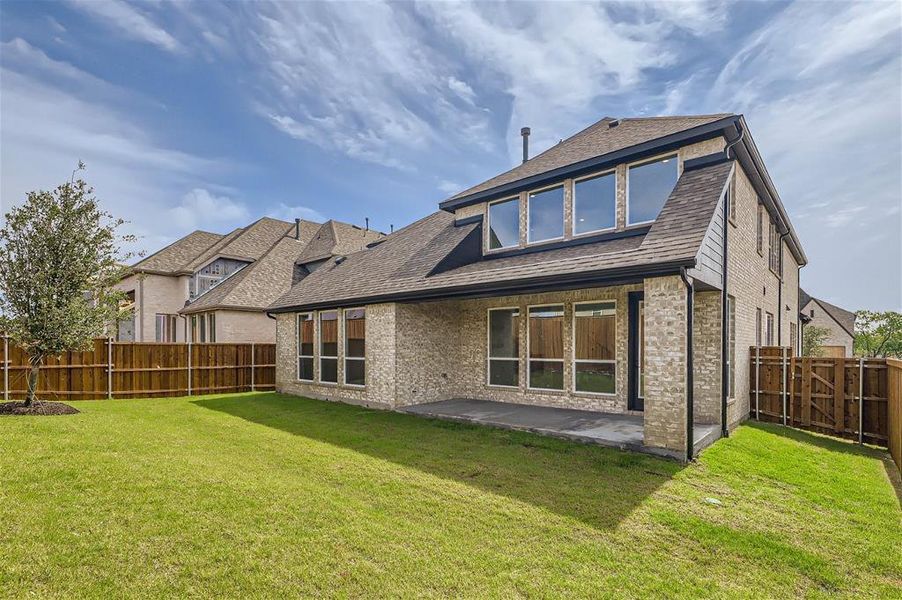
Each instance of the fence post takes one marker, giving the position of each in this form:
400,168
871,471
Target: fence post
109,368
253,364
5,368
757,381
783,383
861,400
189,368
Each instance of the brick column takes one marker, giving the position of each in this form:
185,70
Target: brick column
665,364
706,357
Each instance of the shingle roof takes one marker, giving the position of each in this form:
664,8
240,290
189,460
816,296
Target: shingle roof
254,240
266,279
176,256
845,318
595,140
433,255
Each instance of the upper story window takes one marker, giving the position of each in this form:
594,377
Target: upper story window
648,187
594,203
774,253
545,215
760,239
504,224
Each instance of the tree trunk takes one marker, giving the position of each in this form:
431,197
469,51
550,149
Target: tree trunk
35,362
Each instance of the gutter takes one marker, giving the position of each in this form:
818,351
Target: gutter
690,382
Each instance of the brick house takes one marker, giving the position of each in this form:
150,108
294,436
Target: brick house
592,277
840,324
209,287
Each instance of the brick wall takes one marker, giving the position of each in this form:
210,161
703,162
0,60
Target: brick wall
838,336
244,326
665,363
156,294
706,318
753,285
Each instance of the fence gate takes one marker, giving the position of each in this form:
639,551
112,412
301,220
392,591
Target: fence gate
844,397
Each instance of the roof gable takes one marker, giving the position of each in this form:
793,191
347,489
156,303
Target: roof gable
174,258
604,137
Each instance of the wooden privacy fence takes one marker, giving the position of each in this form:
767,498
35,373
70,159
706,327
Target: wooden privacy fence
138,369
894,388
845,397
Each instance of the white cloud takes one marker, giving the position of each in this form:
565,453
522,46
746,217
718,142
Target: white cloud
290,213
449,187
199,209
129,22
462,89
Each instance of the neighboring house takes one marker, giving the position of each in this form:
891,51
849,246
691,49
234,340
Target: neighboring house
208,287
839,322
578,279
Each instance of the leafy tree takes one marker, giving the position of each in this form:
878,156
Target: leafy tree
813,338
58,265
878,334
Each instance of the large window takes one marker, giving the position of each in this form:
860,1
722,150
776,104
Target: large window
595,352
546,347
546,214
757,326
504,224
203,328
594,203
166,327
328,346
731,347
355,346
774,249
305,347
504,347
648,187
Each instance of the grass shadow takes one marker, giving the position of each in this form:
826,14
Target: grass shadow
819,440
598,486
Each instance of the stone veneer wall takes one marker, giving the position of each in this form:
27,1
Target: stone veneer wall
665,363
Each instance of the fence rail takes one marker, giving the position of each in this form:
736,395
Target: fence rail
844,397
138,369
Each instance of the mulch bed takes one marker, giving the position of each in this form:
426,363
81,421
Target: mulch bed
37,408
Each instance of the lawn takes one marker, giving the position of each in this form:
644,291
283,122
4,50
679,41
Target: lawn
271,495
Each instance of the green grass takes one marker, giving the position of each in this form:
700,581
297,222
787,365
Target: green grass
270,495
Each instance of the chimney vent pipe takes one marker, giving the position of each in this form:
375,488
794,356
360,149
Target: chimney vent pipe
297,229
525,133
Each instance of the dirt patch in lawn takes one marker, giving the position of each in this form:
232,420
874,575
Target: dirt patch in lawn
37,408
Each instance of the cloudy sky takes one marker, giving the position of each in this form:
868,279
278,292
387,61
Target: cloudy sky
207,115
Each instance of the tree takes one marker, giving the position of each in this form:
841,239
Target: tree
58,265
878,334
813,338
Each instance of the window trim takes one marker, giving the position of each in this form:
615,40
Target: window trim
563,186
573,183
488,224
319,350
626,185
574,360
488,350
297,374
345,357
562,360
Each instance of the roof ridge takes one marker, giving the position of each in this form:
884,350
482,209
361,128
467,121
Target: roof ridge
167,246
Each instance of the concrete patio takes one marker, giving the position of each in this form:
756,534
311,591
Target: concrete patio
614,430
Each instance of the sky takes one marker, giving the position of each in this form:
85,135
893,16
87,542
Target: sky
209,115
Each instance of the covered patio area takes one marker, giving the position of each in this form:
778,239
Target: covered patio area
606,429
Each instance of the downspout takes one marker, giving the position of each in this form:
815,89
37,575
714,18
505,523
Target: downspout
690,384
798,349
724,316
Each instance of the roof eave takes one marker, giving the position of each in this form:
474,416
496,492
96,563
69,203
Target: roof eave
662,144
598,277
